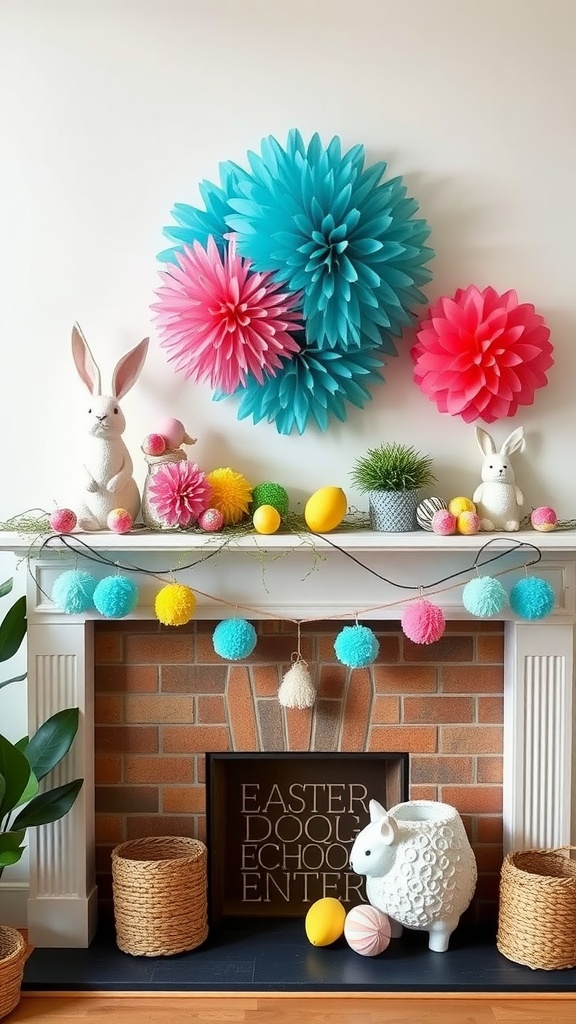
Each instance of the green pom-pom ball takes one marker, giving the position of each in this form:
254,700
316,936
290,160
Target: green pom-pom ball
270,494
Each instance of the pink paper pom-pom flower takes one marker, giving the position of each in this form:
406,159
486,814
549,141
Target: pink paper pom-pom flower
481,354
179,492
220,321
423,622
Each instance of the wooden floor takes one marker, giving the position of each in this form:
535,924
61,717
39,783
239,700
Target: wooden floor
293,1009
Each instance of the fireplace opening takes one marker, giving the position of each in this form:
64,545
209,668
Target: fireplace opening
281,827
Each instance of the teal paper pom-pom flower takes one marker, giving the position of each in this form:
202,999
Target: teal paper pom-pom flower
73,591
234,639
532,598
356,646
116,596
484,596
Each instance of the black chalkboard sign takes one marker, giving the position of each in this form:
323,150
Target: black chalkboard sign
281,827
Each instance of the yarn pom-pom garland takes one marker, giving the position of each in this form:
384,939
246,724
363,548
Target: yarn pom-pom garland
532,598
356,646
175,604
73,591
367,930
234,639
423,622
115,596
297,689
336,235
484,596
481,355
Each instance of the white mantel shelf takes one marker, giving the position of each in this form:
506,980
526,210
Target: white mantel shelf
298,577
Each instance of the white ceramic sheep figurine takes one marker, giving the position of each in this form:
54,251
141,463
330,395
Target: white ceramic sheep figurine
420,868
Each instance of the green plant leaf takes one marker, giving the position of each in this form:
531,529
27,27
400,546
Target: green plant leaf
22,744
31,790
11,857
2,788
52,741
49,806
15,771
6,587
11,840
12,629
14,679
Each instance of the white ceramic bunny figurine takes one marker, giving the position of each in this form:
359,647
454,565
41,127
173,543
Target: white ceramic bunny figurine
107,464
497,498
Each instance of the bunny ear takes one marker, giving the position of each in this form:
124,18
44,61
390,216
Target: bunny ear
485,442
376,810
388,830
128,369
84,361
514,442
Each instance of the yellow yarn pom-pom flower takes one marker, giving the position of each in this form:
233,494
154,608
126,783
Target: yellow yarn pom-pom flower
175,604
231,494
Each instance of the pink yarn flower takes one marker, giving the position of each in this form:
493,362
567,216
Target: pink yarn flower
220,321
179,492
481,355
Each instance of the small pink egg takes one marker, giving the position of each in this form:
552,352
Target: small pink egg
443,522
172,431
543,519
211,520
119,521
154,444
63,520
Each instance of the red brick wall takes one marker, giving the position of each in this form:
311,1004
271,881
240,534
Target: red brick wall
163,697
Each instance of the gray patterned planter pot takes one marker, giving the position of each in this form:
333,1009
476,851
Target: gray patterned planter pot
393,511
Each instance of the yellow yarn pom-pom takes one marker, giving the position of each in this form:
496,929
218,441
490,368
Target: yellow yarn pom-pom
175,604
231,494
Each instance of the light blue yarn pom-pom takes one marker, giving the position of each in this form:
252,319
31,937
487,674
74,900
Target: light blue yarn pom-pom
532,598
115,597
356,646
234,639
73,591
484,597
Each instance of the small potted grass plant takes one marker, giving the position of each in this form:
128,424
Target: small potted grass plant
392,475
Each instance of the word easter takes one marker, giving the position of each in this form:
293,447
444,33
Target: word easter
296,841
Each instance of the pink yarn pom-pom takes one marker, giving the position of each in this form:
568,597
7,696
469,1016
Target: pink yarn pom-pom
423,622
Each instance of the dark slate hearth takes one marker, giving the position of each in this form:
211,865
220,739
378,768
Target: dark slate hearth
244,955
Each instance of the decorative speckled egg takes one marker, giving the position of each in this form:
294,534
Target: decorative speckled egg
426,510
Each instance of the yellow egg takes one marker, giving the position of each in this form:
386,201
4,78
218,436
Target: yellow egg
458,505
468,523
324,922
266,519
325,509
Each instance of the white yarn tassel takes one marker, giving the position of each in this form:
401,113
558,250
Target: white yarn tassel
296,689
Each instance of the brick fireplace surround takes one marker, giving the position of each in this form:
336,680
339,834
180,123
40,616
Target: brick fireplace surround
485,713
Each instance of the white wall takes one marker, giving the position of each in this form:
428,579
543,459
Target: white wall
112,110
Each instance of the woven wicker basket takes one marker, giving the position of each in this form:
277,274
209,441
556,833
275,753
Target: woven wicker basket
12,959
537,914
160,899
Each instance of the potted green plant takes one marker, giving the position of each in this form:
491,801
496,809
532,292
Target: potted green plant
23,765
392,476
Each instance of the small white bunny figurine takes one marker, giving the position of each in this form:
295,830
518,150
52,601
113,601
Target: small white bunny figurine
497,498
107,465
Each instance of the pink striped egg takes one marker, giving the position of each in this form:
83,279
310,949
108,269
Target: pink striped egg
367,930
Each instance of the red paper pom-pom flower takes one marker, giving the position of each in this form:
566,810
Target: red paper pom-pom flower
423,622
221,321
481,355
179,492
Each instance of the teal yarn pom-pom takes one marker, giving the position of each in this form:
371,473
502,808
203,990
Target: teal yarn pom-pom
532,598
484,597
234,639
356,646
115,597
73,591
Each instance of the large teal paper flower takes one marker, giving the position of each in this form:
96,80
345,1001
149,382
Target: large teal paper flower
330,227
314,385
